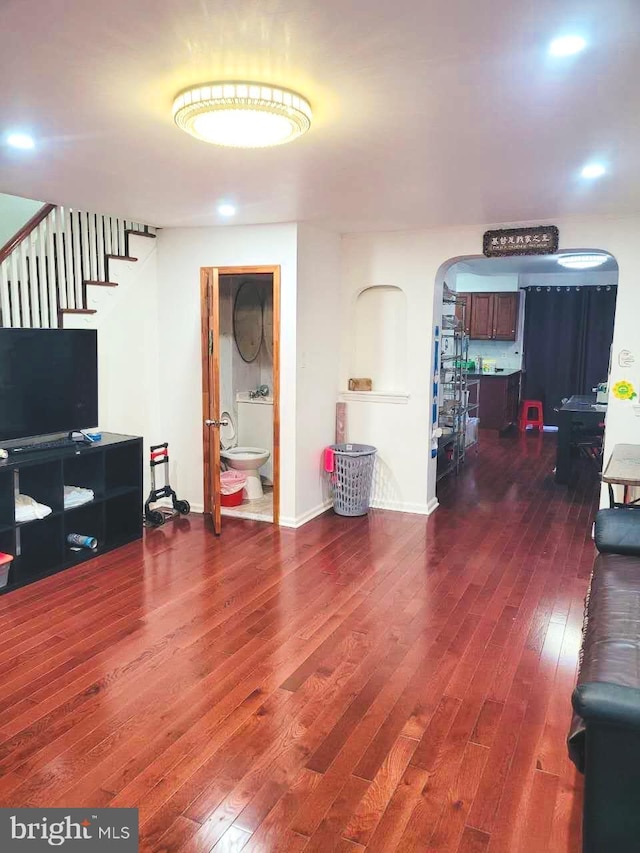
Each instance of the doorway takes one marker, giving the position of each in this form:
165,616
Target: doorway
535,328
241,392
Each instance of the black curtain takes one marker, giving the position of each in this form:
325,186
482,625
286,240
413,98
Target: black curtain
567,340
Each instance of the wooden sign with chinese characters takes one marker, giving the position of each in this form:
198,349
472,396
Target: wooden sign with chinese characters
538,240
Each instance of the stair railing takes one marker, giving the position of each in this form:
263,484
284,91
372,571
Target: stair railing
46,267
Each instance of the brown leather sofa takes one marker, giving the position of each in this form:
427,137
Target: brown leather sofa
604,739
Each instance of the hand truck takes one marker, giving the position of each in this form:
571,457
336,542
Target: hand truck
159,455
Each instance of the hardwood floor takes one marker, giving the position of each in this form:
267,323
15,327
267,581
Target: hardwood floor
384,683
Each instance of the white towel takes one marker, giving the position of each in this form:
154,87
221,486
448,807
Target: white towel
76,496
28,509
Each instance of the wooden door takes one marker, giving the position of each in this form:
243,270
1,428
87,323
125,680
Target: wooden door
481,325
467,310
211,406
210,295
505,316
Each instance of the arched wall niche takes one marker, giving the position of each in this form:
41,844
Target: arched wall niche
380,338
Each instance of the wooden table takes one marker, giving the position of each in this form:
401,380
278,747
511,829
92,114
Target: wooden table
623,469
580,409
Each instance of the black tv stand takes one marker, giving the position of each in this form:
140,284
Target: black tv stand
111,467
40,446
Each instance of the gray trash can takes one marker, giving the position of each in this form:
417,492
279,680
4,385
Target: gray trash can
352,478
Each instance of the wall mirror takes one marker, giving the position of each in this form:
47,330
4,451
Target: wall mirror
247,321
267,322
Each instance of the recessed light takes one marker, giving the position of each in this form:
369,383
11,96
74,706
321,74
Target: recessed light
593,170
582,262
567,45
20,140
226,210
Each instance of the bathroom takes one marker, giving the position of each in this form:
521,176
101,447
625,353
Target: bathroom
246,392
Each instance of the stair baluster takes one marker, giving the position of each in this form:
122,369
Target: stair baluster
46,268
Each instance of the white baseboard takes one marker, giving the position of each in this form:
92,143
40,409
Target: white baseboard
284,521
168,503
392,506
307,516
399,506
433,505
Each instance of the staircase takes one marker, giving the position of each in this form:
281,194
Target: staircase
48,268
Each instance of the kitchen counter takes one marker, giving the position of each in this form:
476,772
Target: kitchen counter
499,398
502,374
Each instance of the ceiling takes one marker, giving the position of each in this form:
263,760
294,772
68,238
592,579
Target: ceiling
532,265
426,113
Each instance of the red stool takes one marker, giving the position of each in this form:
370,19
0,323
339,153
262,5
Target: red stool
531,415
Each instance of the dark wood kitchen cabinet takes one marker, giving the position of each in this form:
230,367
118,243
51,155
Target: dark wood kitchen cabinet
490,316
505,316
482,310
499,400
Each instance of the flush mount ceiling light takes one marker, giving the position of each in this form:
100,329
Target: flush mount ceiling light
582,262
567,45
226,209
242,115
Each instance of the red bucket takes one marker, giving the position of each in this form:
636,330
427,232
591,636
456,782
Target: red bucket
231,500
232,488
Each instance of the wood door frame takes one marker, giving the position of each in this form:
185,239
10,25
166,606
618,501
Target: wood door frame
274,271
210,326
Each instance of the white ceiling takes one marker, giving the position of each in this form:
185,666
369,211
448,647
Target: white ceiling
531,265
426,112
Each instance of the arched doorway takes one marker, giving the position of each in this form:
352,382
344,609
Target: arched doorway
567,345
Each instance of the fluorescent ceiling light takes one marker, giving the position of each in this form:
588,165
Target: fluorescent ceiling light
226,210
582,262
593,170
567,45
20,140
242,115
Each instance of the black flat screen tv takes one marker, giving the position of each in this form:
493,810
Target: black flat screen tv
48,381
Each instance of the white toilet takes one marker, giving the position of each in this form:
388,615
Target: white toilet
249,460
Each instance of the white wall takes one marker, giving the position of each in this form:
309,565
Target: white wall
399,430
318,336
379,338
14,213
131,358
414,261
181,254
310,335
